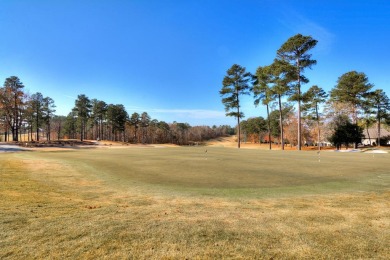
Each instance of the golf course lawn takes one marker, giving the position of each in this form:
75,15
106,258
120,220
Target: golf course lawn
193,203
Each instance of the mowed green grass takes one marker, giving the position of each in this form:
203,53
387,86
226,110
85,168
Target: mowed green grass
231,172
177,203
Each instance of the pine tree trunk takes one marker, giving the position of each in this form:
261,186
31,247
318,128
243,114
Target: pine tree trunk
81,130
319,130
379,132
281,122
59,131
299,106
37,124
16,122
48,131
368,134
269,128
238,122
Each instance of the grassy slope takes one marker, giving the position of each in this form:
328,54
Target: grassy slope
185,203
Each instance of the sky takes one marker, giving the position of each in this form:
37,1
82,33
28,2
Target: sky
169,57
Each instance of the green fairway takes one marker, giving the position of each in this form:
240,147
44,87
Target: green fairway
184,202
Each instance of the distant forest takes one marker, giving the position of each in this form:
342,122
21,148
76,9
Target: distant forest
26,117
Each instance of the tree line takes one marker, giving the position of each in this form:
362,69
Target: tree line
33,117
348,108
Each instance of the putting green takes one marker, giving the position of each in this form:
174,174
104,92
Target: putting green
227,172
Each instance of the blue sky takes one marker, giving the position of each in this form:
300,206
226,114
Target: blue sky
168,58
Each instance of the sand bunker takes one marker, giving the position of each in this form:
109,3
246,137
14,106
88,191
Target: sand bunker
348,151
11,148
376,151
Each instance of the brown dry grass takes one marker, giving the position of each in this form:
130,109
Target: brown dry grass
56,209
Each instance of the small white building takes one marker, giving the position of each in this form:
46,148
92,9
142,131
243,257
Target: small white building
371,136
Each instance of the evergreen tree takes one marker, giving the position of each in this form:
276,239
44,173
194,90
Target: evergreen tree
346,133
311,99
283,74
99,113
135,121
254,127
36,103
378,103
58,123
263,93
117,118
82,109
274,118
47,114
70,127
295,50
12,101
144,123
352,88
237,82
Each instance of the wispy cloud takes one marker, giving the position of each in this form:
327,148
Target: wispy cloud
192,113
74,98
300,24
182,113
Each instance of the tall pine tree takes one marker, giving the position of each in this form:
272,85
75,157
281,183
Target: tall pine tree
237,82
295,50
